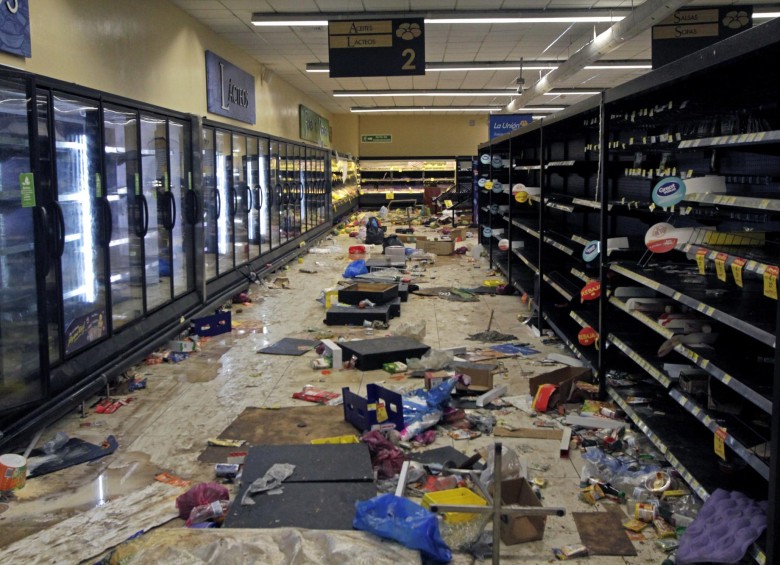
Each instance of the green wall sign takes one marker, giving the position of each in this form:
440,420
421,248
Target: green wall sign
376,138
313,127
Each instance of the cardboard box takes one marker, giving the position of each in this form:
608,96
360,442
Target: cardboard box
410,237
520,529
564,379
481,376
218,323
435,378
440,247
456,233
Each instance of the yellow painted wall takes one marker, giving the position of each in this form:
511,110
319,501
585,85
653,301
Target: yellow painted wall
151,51
346,133
423,135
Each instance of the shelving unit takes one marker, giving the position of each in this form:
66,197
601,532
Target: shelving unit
420,180
705,308
345,184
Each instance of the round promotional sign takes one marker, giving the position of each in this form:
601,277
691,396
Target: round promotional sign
503,244
494,208
590,291
587,336
668,192
497,186
497,162
591,251
489,184
487,232
484,159
481,182
661,238
521,196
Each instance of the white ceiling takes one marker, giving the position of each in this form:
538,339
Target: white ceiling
287,50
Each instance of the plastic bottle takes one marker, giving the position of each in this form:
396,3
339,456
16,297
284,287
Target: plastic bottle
59,439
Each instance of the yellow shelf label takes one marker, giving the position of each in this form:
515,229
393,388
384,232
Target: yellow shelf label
720,266
701,260
736,270
389,195
720,445
770,282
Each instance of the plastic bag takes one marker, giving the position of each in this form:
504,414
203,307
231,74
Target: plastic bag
414,330
205,512
423,409
432,360
356,268
512,467
383,212
374,232
623,474
396,518
200,494
386,458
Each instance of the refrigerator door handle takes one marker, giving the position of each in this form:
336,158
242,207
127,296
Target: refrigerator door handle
108,221
191,207
170,221
60,229
43,216
286,194
233,202
219,204
145,222
250,198
300,191
259,197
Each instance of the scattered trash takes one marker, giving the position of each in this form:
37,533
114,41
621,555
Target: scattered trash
491,336
271,482
225,442
172,480
200,494
311,394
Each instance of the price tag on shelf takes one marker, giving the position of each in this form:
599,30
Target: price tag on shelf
736,270
720,266
701,260
390,195
720,443
448,203
770,281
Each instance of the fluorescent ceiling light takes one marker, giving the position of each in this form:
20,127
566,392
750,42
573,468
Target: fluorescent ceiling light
541,20
374,109
397,93
467,66
449,17
540,109
560,92
765,15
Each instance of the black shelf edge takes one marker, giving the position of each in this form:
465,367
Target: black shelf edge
704,417
737,323
576,351
699,359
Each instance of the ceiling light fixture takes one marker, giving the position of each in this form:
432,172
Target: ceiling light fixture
321,19
466,66
765,15
376,109
560,92
399,93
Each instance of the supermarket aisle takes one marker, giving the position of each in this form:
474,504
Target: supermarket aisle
166,426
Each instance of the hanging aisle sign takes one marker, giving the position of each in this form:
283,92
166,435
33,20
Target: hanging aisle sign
376,48
230,91
505,123
15,27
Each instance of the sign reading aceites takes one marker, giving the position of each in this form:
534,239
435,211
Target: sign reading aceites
375,48
230,91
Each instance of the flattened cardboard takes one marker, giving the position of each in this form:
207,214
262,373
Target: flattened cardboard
520,529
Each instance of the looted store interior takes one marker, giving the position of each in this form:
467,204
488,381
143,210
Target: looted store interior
329,281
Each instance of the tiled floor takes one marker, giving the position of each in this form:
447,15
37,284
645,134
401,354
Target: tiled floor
166,426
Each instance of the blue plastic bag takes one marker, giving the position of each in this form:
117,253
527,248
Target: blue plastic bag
408,523
356,268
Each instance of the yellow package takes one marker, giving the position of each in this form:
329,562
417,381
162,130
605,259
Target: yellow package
634,525
663,528
591,494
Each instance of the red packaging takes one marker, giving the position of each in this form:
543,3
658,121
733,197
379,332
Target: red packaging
319,396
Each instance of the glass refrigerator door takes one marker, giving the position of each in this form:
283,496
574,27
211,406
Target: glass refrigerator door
79,189
154,184
239,199
264,202
285,172
275,189
123,188
211,202
182,210
20,343
224,171
253,196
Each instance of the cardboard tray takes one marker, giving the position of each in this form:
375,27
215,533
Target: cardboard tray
378,293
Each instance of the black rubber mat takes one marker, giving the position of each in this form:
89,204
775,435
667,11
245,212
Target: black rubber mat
289,346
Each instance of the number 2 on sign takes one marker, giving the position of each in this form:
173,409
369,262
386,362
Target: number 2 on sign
410,56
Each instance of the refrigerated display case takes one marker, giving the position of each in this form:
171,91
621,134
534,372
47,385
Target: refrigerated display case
21,274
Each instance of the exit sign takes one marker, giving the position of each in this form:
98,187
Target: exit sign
376,138
376,48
